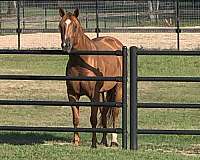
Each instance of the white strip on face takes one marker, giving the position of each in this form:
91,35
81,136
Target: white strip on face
67,22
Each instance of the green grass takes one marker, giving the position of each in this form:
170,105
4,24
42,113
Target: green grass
41,146
169,66
21,145
27,64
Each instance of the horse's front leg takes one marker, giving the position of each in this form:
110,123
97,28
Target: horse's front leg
93,119
104,112
76,117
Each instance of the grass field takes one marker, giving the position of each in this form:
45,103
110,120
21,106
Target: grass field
21,145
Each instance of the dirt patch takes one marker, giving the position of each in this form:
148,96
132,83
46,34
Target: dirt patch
188,41
192,151
32,90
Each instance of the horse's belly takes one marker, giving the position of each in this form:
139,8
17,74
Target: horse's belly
107,86
89,87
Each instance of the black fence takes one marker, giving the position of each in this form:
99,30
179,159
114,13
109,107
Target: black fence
123,104
175,17
134,105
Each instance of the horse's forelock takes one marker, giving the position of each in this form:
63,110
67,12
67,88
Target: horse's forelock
69,14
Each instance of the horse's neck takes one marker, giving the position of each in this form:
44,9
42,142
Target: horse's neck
84,43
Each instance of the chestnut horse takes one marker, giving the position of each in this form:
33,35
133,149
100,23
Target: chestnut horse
73,38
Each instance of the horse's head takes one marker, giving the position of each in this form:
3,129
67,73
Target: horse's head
69,27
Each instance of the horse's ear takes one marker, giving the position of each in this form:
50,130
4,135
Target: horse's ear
61,12
76,12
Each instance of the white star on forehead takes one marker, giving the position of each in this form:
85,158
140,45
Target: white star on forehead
68,21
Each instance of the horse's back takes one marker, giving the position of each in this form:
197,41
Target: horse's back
108,65
107,43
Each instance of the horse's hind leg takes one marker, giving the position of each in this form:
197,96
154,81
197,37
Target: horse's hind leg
104,111
76,117
117,96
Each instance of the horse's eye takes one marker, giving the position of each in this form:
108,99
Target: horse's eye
60,28
74,28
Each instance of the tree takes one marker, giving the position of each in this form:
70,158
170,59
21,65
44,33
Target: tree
12,7
153,9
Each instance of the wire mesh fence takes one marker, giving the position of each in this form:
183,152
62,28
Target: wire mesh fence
38,22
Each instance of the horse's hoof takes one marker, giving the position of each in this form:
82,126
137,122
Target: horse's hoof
93,146
114,144
104,143
76,143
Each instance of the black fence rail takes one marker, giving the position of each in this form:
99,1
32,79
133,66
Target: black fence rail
60,129
122,78
134,105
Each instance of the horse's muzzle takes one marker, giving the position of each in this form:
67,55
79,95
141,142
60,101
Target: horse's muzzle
66,45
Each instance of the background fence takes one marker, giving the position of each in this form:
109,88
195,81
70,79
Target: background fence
166,23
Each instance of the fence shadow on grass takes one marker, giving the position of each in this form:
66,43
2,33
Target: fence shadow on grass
21,138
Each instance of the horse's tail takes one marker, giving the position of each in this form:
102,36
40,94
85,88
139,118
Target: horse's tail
106,112
100,121
109,117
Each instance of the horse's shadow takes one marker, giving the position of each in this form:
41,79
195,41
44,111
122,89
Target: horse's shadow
30,138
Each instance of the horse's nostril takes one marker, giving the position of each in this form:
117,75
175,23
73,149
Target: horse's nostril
68,44
63,45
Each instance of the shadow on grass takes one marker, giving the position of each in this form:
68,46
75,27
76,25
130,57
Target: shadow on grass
21,138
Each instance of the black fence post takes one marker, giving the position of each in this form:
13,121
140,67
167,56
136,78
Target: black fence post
178,30
124,98
122,17
97,30
86,19
45,16
133,99
0,14
18,30
23,14
105,19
